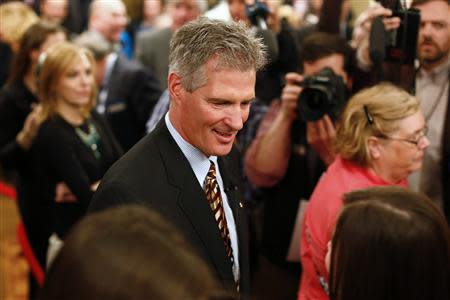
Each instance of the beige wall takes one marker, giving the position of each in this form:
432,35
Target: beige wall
358,6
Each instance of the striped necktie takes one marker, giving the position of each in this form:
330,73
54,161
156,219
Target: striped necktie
215,202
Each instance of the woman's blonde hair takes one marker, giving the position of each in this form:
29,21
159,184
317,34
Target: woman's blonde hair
374,111
16,17
54,65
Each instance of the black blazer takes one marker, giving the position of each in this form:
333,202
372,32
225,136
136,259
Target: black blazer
132,93
156,173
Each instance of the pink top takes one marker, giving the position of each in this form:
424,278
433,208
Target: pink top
321,213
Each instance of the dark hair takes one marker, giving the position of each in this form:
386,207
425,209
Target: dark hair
390,244
128,252
32,39
321,44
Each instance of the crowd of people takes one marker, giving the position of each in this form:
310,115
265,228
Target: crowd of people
232,149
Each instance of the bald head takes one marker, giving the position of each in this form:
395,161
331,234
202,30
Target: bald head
109,18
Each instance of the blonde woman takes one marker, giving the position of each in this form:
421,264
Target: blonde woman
380,140
74,145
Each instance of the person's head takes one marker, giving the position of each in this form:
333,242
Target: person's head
383,129
212,73
100,49
151,9
66,80
108,18
128,252
183,11
390,243
237,10
433,44
16,17
53,10
321,50
37,39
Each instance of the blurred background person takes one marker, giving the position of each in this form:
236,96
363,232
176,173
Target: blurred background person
380,140
152,47
129,252
16,18
107,20
19,124
127,93
379,236
54,11
74,144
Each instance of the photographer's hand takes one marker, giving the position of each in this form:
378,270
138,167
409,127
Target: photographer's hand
320,135
289,96
361,31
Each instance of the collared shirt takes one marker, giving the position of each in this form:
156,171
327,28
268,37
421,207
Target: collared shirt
200,165
432,90
103,93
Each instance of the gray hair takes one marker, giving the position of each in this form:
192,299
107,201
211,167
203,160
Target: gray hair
235,46
95,42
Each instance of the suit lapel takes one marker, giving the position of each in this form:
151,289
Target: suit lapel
192,201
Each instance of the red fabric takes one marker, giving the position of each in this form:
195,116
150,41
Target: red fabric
35,267
320,216
8,191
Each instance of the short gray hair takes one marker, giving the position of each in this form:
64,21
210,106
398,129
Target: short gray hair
95,42
196,42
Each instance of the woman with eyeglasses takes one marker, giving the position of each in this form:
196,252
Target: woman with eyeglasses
380,140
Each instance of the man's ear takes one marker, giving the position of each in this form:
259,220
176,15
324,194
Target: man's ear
176,89
373,143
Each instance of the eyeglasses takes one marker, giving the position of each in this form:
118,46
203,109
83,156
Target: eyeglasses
418,141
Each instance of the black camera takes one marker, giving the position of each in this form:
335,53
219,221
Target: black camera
397,46
323,93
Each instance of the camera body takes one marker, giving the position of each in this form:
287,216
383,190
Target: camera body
323,93
397,46
401,44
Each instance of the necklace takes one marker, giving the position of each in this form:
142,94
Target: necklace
90,139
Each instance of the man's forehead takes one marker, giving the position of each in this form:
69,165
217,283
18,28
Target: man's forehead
334,61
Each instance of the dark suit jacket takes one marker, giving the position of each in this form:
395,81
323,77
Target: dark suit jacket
132,94
156,173
152,50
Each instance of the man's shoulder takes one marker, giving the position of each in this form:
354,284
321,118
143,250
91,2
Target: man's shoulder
132,177
158,34
128,69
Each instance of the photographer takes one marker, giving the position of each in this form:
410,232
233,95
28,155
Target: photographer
280,159
431,87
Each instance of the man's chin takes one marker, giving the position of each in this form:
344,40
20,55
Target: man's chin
432,57
221,150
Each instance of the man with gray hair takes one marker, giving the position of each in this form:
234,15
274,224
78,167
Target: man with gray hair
187,168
